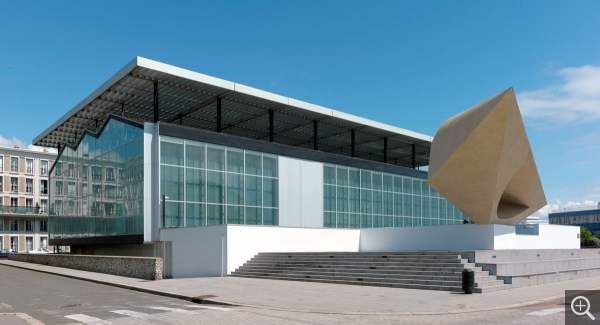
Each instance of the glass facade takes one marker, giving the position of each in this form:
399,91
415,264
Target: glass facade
205,184
110,201
360,198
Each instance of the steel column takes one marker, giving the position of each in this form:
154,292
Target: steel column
271,126
315,135
353,142
219,116
385,149
413,157
156,117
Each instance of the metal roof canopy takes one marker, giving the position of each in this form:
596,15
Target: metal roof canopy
190,98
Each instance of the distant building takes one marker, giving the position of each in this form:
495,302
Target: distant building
24,198
588,217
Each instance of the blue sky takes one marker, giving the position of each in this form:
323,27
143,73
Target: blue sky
412,65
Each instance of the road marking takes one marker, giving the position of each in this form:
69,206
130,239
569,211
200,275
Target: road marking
7,306
88,319
176,310
210,307
132,314
546,312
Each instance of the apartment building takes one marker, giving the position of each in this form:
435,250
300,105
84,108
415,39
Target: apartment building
24,198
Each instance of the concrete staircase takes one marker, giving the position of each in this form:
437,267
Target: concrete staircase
412,270
521,268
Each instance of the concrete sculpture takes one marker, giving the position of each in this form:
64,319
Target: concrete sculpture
482,163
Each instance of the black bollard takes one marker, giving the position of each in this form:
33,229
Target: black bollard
468,281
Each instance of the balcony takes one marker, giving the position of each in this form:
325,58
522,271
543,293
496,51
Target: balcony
19,210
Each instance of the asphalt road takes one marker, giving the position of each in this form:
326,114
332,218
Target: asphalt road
59,300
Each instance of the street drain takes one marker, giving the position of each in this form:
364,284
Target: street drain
69,306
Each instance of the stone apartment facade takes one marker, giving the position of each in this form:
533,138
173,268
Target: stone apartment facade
24,198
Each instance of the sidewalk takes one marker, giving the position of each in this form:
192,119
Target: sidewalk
326,298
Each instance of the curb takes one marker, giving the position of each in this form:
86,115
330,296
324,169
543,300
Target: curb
229,303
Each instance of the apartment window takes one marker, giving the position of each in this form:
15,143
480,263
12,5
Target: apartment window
43,225
1,228
14,184
84,190
1,182
70,170
44,242
14,225
14,202
29,203
29,225
43,168
71,189
96,173
59,187
43,206
28,243
14,164
1,163
44,186
85,172
29,185
14,242
0,205
110,174
58,169
29,166
96,189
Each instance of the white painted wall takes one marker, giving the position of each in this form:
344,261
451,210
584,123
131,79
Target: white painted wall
300,193
197,251
447,237
217,250
243,242
551,237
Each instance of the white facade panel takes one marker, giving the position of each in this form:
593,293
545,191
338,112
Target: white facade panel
300,193
312,194
290,192
150,191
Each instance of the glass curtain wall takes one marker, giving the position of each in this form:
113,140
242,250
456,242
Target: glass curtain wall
359,198
204,184
97,189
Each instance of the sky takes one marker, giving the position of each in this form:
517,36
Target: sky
408,64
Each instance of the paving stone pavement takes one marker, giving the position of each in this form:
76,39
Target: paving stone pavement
330,299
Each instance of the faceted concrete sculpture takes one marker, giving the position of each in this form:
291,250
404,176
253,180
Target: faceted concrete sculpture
482,163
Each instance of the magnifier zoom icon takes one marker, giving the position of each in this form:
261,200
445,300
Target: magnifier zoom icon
580,308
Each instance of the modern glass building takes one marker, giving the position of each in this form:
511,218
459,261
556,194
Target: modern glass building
588,217
160,148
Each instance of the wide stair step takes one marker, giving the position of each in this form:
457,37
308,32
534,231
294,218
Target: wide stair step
411,270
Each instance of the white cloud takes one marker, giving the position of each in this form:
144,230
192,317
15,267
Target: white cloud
543,212
4,142
576,100
11,143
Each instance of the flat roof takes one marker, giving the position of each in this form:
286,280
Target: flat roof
190,98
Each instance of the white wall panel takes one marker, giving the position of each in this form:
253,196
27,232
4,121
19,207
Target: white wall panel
290,190
312,194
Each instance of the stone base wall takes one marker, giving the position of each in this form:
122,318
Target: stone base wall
148,268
